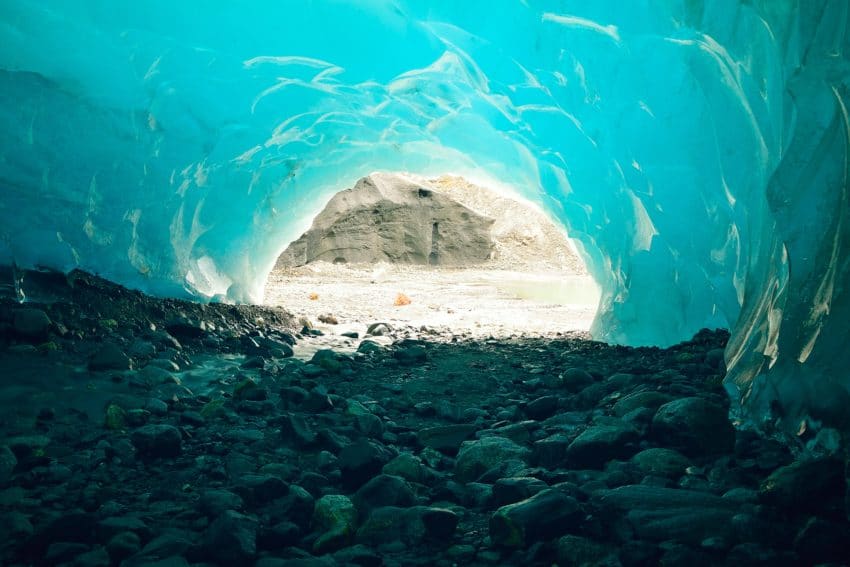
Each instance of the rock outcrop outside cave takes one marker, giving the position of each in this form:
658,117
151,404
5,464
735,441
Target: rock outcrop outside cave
392,218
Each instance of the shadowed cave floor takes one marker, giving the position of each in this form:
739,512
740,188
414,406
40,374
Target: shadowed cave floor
137,431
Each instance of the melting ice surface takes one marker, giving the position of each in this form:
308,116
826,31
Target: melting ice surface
696,150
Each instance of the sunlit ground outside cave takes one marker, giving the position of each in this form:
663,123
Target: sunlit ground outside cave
521,277
394,283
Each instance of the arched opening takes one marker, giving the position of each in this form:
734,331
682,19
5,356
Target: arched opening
437,257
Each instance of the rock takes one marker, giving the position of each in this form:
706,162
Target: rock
446,438
545,515
601,443
410,354
390,217
260,488
660,514
823,542
579,551
123,545
328,360
476,457
575,380
542,407
8,462
408,526
640,400
694,426
98,557
408,467
335,518
370,347
31,324
231,539
214,502
110,357
379,329
662,462
360,461
294,429
551,452
515,489
358,555
157,441
805,485
383,490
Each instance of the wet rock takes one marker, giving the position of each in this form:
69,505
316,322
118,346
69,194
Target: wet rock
805,485
156,441
328,360
370,347
446,438
477,457
31,324
360,461
231,539
335,518
545,515
261,488
663,462
383,490
694,426
109,357
601,443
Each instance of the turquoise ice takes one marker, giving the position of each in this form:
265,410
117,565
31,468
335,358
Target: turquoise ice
697,151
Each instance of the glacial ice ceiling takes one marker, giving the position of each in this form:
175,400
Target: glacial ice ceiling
696,149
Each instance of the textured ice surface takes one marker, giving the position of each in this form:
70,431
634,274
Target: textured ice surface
697,150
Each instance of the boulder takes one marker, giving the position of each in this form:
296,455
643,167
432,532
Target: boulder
393,218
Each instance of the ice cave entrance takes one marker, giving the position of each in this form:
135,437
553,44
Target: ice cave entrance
440,257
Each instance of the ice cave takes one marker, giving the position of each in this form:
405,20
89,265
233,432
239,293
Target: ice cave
696,152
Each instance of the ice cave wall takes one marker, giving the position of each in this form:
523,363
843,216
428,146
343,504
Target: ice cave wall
696,150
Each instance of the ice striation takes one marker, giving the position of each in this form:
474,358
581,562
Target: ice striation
697,151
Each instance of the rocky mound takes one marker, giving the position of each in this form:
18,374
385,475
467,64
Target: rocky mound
393,218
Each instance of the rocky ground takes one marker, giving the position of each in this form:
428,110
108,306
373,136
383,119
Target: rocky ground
140,432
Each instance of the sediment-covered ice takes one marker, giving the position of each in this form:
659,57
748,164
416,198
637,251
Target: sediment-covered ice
697,151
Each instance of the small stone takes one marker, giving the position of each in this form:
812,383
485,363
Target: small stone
407,466
577,550
214,502
123,545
